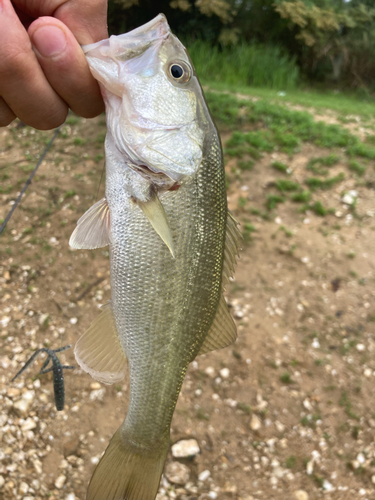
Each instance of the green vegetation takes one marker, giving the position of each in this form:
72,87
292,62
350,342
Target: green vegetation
273,200
281,167
357,167
286,185
286,378
245,64
316,183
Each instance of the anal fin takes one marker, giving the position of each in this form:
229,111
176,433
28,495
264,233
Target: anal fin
99,352
93,228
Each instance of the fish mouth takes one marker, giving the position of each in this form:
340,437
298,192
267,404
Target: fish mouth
160,180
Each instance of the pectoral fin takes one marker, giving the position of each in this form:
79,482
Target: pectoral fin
155,213
99,352
93,228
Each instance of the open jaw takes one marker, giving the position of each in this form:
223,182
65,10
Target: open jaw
160,180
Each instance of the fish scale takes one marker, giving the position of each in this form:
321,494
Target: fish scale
175,329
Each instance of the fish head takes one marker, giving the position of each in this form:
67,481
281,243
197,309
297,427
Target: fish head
156,112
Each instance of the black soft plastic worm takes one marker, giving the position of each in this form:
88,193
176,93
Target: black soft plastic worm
57,368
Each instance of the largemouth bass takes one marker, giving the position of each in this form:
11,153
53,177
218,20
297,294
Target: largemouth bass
172,245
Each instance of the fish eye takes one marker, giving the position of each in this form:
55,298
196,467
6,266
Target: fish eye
180,72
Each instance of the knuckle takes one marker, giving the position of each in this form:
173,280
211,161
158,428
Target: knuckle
14,58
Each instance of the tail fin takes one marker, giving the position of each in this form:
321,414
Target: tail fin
124,474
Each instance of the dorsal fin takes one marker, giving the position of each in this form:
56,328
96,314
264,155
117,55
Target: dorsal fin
233,238
223,331
93,228
99,352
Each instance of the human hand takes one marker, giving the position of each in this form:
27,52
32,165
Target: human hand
43,70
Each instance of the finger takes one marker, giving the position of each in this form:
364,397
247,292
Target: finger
86,19
22,83
65,66
6,114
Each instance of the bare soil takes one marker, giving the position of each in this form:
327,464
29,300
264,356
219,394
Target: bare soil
287,412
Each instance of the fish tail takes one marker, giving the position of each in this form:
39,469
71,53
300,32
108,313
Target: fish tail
125,473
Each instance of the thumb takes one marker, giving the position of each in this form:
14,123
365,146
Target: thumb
65,67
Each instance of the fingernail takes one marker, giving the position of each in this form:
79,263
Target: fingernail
49,41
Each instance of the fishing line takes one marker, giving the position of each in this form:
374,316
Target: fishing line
28,182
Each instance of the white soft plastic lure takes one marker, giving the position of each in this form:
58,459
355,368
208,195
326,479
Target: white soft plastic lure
172,246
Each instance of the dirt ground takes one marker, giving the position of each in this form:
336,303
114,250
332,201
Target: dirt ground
287,412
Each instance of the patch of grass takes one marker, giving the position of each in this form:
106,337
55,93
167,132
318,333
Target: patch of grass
273,200
246,165
301,196
361,149
98,157
346,403
286,231
284,185
319,209
247,232
316,164
244,64
357,167
286,378
201,415
244,407
79,141
343,103
316,183
242,202
69,194
281,167
291,462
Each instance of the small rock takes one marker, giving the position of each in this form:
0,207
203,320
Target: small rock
210,371
361,458
13,392
279,426
23,488
22,406
71,496
212,494
310,467
230,488
327,486
315,344
95,386
2,481
185,448
360,347
255,422
98,395
177,473
204,475
301,495
372,479
224,373
28,425
60,481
